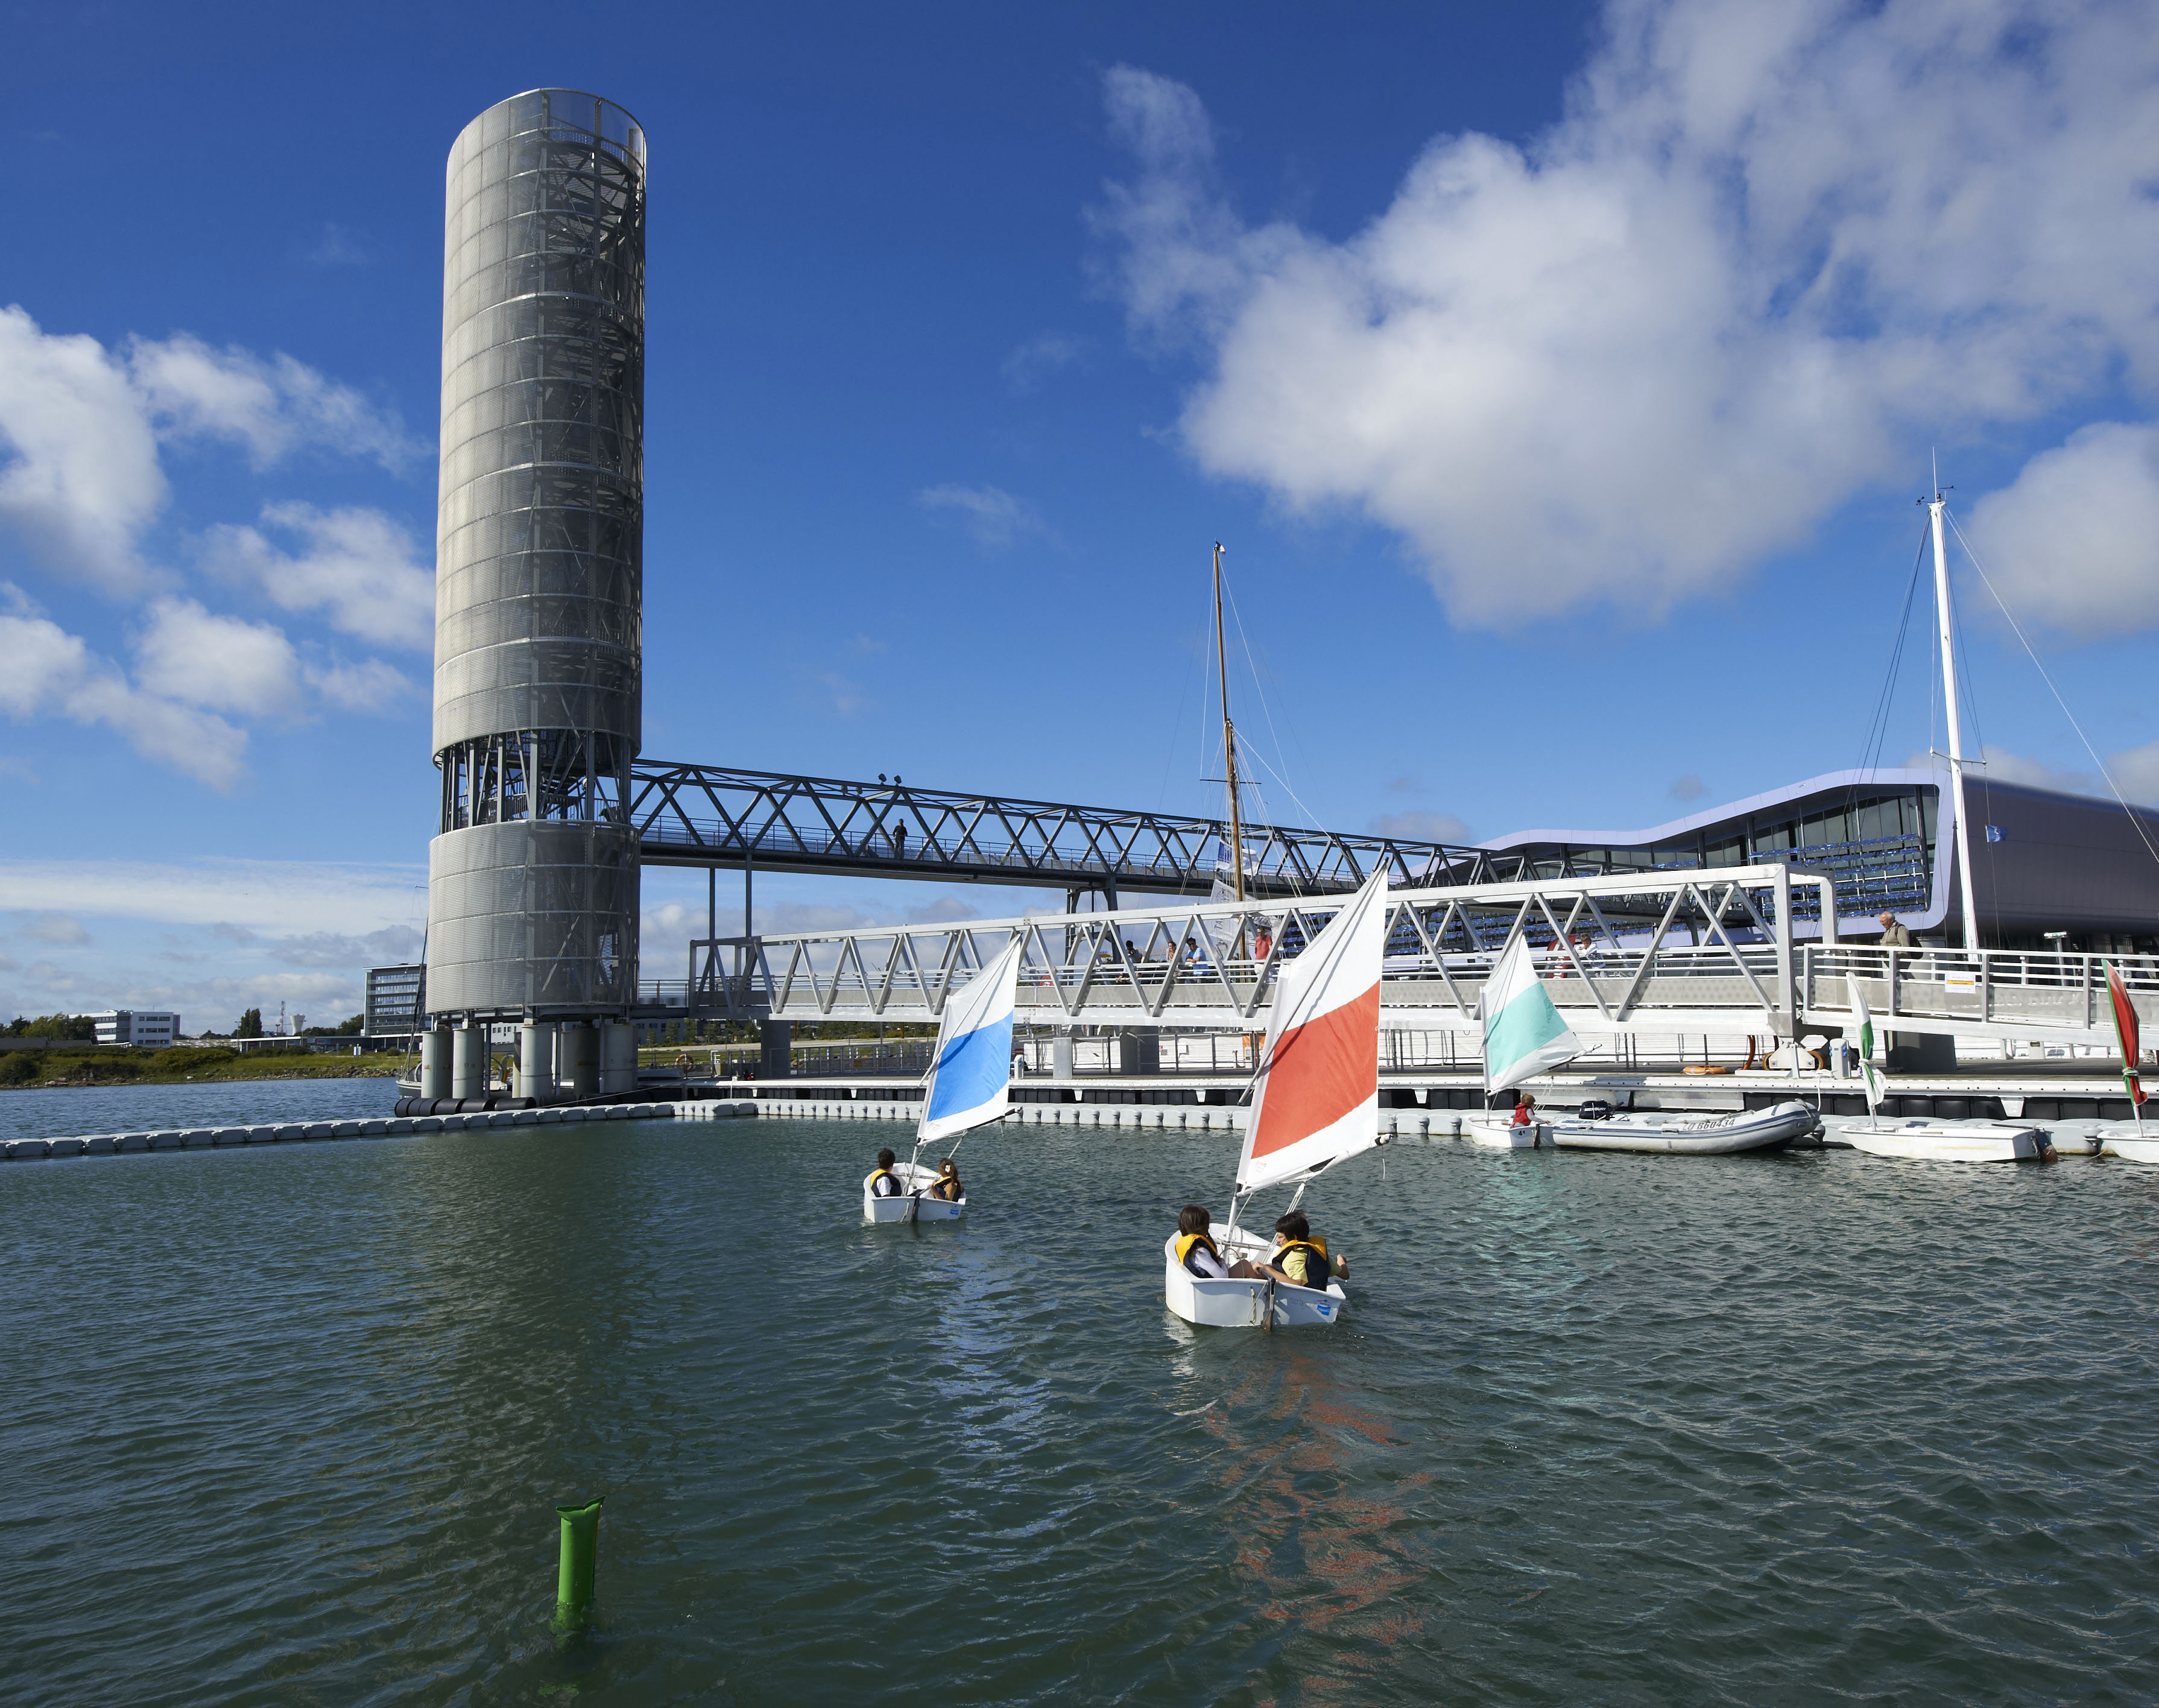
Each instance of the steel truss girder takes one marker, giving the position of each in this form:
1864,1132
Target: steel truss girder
1610,954
715,815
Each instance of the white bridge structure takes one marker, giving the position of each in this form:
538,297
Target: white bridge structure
1735,950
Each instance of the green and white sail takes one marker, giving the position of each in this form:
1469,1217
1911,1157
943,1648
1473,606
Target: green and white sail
1524,1035
1873,1080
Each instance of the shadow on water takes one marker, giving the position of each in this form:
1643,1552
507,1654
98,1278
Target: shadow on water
290,1424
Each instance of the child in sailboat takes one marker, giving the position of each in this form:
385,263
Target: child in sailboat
1197,1251
947,1185
1300,1256
884,1183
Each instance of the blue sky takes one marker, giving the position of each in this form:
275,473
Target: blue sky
1560,379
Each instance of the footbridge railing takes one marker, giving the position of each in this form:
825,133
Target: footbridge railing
2009,993
713,815
1662,951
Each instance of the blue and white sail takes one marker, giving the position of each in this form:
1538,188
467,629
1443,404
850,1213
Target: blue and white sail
970,1084
1524,1035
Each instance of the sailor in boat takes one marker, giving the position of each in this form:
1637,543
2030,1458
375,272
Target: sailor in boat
1195,1245
1525,1110
1300,1256
947,1185
884,1183
1197,1251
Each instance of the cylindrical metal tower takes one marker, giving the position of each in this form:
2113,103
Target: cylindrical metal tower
532,891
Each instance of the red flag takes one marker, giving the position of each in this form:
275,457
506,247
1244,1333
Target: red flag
2125,1030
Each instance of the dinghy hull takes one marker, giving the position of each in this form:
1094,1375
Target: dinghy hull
1502,1133
2133,1150
1690,1135
1245,1304
1945,1141
906,1207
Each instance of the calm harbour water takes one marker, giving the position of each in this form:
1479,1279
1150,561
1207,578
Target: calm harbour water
286,1424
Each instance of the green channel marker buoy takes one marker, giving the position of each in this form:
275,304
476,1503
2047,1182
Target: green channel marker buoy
573,1581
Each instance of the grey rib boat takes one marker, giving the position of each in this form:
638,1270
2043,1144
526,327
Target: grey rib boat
1677,1133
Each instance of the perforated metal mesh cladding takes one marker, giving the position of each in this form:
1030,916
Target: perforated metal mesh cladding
539,916
539,541
539,564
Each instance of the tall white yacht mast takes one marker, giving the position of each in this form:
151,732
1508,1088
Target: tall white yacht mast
1935,508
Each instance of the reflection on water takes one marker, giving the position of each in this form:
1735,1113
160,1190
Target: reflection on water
289,1424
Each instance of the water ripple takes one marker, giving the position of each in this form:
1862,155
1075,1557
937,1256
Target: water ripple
286,1424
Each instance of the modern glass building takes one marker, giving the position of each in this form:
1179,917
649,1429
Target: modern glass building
2042,861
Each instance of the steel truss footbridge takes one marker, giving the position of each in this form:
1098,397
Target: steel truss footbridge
1685,952
713,815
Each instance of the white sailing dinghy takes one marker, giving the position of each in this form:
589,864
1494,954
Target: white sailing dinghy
1926,1140
1524,1037
1315,1104
969,1086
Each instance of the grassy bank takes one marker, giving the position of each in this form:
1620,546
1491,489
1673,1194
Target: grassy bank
91,1064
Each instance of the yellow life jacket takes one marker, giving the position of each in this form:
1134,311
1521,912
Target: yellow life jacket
948,1188
1313,1263
1185,1242
870,1187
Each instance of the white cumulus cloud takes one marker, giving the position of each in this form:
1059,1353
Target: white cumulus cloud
356,566
1769,252
224,663
2072,543
79,473
273,406
45,671
369,685
80,481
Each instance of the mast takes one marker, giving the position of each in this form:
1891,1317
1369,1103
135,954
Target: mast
1228,736
1935,506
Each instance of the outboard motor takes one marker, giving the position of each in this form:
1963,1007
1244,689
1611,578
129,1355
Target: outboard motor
1595,1108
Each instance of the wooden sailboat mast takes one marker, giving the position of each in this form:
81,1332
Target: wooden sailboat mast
1229,737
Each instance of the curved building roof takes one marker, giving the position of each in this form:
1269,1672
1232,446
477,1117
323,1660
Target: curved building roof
2041,860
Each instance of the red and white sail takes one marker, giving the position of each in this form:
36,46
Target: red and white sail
2126,1029
1317,1098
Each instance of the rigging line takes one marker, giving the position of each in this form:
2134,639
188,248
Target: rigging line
2017,629
1251,663
1877,729
1176,729
1266,710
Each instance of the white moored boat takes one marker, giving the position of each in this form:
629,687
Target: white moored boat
1915,1139
1945,1140
2132,1150
914,1205
1503,1132
1315,1103
1674,1134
